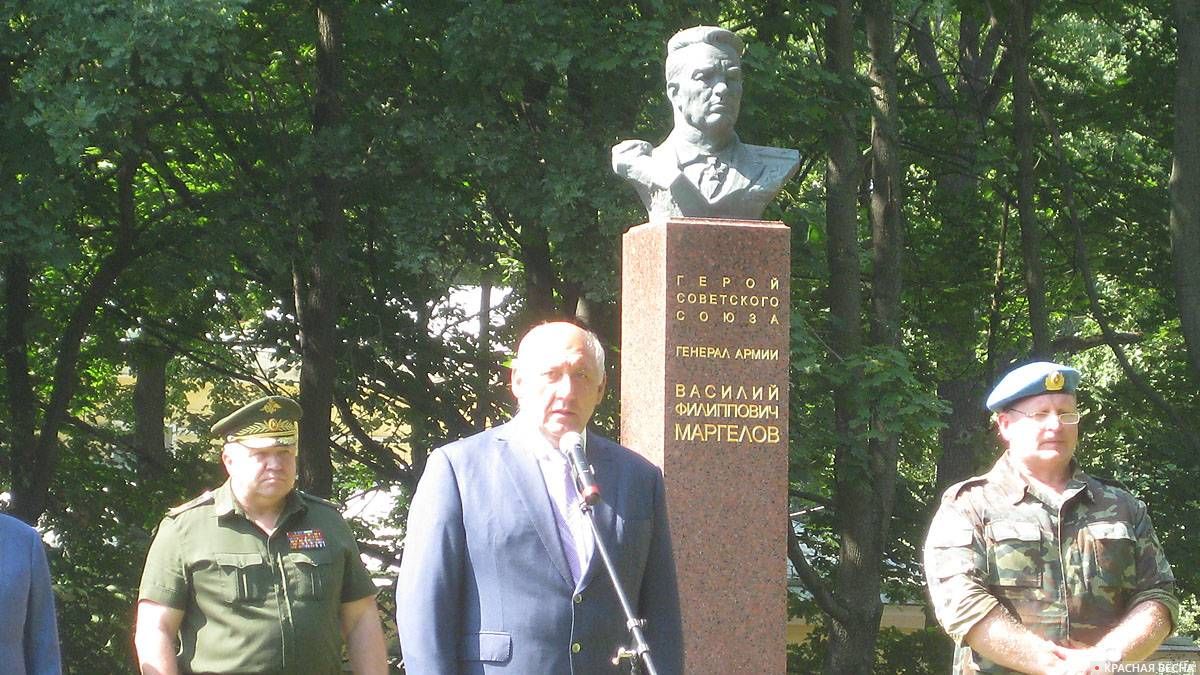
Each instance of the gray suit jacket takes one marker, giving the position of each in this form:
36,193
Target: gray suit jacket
484,586
28,630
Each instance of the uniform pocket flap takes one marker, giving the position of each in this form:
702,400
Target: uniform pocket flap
239,559
1110,530
486,646
1004,530
318,557
951,537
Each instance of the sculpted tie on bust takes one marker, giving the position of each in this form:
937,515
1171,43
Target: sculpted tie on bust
712,176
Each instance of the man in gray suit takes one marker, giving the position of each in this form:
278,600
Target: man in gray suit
703,169
500,573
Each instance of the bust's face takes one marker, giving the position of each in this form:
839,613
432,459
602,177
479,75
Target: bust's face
706,91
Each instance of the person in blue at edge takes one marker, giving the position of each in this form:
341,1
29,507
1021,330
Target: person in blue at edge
500,573
28,631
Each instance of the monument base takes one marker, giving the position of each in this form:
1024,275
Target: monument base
704,394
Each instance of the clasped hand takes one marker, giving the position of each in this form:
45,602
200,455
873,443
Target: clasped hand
1077,659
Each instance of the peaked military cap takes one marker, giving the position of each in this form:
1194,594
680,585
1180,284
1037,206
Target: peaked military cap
270,420
1031,379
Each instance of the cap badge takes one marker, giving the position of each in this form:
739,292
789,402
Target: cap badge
1055,381
270,406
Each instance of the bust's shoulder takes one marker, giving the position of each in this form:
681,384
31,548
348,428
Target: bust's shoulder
769,153
665,151
778,163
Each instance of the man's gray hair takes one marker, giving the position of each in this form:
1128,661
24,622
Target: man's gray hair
725,40
590,340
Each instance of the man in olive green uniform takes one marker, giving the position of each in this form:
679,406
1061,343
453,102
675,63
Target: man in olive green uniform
257,576
1037,567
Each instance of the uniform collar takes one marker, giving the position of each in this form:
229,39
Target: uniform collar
224,504
1013,486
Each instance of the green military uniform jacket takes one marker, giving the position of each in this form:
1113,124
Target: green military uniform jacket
253,603
1069,567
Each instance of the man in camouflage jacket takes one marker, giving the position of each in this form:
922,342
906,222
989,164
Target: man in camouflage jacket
1037,567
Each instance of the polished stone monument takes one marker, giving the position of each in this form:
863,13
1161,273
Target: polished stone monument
704,355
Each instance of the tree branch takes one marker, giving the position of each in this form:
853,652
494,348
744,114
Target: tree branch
922,36
381,453
1111,338
1073,344
813,581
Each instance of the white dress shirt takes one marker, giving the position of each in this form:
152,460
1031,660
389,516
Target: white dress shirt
574,530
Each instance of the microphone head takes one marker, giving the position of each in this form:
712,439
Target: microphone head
569,441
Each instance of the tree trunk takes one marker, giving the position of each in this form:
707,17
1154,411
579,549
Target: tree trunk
483,356
21,402
887,177
865,495
1031,236
149,364
540,279
970,97
316,278
35,457
841,206
1185,177
846,635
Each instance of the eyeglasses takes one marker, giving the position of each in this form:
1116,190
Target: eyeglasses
1069,418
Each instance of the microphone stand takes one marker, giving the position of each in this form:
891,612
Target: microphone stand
639,654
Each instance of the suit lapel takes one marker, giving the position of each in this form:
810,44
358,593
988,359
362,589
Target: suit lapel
606,470
526,478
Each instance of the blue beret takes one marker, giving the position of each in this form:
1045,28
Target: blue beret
1031,379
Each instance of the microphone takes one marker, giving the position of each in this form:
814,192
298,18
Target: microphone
571,444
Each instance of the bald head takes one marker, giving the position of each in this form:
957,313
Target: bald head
558,378
552,334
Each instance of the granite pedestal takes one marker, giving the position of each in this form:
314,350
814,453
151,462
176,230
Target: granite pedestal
704,394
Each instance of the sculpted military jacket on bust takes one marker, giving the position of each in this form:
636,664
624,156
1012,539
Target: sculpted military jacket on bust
679,179
1069,567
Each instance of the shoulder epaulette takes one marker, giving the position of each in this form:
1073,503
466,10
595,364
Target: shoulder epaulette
772,151
313,498
206,498
780,153
1112,482
957,489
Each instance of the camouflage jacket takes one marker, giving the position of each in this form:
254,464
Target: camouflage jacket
1067,566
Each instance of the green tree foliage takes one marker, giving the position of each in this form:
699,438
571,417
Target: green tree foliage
158,207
